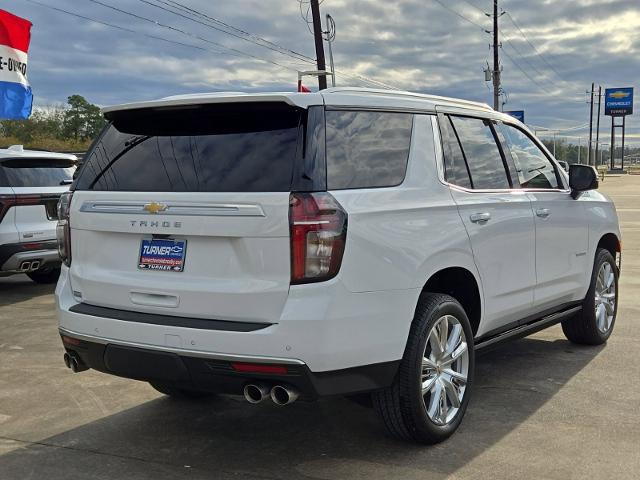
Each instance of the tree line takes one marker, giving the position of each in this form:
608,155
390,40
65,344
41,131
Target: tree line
70,127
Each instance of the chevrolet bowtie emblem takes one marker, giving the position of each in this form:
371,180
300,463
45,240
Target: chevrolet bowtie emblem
154,207
619,94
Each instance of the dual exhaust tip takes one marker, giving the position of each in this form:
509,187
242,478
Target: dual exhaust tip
73,362
30,266
279,394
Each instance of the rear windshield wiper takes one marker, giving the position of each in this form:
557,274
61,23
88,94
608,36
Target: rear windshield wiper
66,182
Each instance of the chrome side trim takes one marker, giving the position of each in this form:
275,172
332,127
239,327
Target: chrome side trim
181,351
183,209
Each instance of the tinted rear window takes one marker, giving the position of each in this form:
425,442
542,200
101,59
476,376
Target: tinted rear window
26,172
367,149
232,148
481,152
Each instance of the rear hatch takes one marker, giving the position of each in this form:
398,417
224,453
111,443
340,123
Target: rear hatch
184,211
37,184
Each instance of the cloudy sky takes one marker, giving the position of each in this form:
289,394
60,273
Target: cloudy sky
552,49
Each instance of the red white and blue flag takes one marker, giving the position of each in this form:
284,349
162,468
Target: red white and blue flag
16,97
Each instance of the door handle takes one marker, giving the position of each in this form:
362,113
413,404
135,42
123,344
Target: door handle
480,217
543,212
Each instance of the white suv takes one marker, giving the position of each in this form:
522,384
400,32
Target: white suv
31,183
336,243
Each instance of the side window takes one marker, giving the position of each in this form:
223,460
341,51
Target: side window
533,167
367,149
481,152
455,166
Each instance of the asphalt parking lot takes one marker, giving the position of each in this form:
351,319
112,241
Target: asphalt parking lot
542,408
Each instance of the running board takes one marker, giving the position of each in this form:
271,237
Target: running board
527,329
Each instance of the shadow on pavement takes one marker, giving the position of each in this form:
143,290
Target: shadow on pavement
20,288
226,437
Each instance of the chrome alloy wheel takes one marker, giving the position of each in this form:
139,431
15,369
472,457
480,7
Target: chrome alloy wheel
605,301
445,365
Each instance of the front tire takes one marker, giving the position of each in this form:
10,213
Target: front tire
431,392
594,324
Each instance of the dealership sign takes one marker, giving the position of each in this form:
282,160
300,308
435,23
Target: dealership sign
618,102
517,114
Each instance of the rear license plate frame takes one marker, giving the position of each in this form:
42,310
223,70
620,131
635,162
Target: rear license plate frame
158,258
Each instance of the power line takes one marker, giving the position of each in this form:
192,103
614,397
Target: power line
124,29
455,12
183,32
140,17
531,44
524,72
223,27
524,57
475,6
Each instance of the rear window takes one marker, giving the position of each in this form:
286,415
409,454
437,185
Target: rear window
33,172
367,149
231,148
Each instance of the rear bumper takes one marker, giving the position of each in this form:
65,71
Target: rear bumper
14,255
324,327
215,373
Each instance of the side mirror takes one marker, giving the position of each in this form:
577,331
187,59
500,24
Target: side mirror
581,179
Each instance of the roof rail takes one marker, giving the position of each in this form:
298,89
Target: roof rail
403,93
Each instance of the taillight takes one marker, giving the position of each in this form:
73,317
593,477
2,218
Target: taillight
8,201
318,228
63,229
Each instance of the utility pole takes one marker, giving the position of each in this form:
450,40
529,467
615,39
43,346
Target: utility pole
496,59
598,123
317,33
593,86
331,33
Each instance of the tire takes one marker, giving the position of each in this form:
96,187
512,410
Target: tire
45,277
402,406
181,393
589,327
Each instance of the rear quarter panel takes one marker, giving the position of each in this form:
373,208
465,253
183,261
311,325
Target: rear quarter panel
399,237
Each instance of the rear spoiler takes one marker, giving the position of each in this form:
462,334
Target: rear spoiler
291,99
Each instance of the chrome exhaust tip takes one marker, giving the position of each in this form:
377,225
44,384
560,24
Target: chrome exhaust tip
74,365
255,392
25,266
67,360
35,265
284,395
73,362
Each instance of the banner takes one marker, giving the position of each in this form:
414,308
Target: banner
16,98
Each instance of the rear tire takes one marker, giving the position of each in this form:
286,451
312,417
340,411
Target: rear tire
181,393
45,277
431,391
595,322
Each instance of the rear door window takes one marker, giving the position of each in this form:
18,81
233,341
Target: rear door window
533,167
34,172
455,165
230,148
367,149
482,153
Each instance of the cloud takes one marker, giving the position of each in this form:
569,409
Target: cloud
416,45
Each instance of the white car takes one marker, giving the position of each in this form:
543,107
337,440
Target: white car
31,183
345,242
